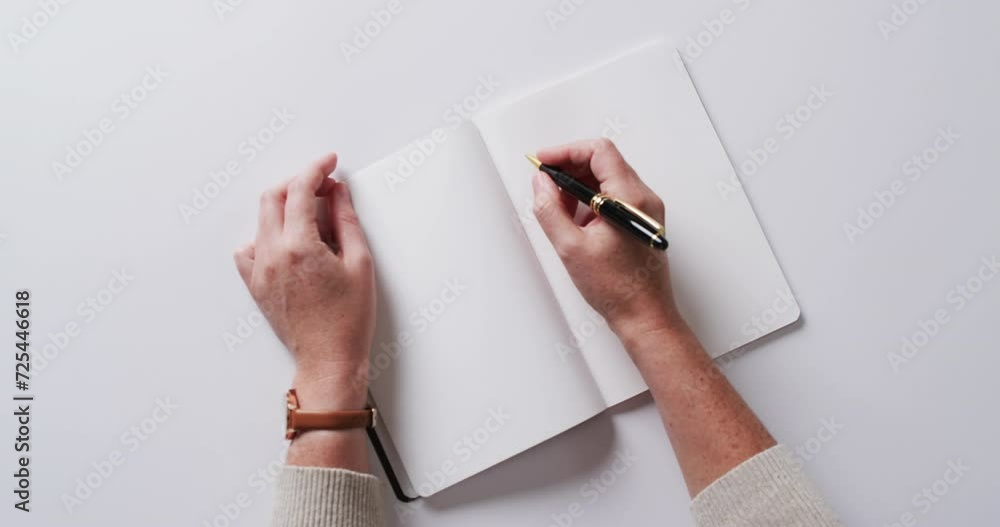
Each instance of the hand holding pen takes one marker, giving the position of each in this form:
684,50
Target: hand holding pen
617,273
620,213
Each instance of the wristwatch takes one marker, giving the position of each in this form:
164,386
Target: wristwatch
297,420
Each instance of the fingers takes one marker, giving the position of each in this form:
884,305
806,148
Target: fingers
345,225
567,200
244,257
326,187
575,155
271,218
554,215
599,157
601,160
300,207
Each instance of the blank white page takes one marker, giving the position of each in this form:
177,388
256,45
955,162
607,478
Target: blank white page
465,370
723,270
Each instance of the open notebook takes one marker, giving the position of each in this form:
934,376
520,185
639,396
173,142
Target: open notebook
484,348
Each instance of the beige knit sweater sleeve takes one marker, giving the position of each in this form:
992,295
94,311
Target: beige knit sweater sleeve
765,490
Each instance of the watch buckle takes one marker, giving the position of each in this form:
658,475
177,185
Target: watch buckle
291,405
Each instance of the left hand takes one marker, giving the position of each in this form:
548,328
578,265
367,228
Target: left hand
319,302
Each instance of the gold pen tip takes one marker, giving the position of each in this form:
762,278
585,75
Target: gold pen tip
534,160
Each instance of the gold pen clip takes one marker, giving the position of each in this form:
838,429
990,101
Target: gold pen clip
601,199
655,225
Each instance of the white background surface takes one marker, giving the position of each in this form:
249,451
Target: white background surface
162,336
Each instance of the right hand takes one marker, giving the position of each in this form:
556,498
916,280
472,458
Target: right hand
625,281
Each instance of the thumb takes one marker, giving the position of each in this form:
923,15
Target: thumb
552,215
244,258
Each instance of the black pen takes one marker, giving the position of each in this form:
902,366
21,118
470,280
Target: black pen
617,212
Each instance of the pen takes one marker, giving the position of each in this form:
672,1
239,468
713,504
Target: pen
617,212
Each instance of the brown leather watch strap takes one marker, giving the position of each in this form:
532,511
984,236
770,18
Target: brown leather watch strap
298,421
